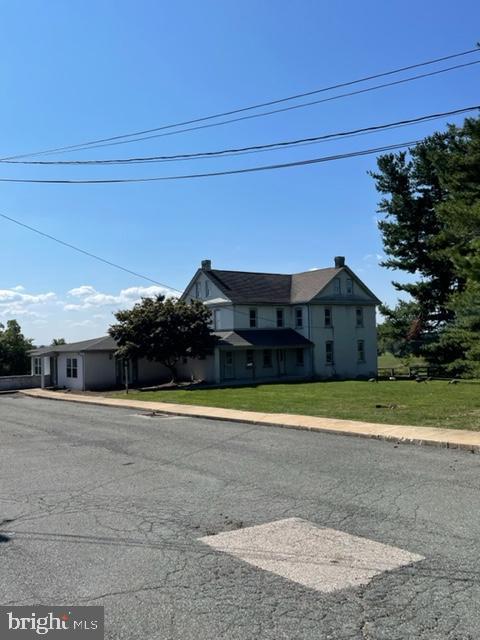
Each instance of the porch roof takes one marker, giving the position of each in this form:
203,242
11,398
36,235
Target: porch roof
268,338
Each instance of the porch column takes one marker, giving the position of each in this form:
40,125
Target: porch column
216,365
42,372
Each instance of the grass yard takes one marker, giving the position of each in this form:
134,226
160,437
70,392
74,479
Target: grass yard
434,404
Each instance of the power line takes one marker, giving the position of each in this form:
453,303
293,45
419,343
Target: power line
118,138
298,163
284,109
254,148
117,266
87,253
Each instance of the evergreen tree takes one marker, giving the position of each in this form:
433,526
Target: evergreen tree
431,230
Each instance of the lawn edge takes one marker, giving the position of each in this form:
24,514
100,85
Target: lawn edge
432,436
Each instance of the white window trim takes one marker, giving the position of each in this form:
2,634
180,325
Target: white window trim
297,325
359,325
280,310
37,366
72,368
361,360
332,362
325,317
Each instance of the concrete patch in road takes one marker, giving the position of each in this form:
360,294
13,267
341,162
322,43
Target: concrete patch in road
319,558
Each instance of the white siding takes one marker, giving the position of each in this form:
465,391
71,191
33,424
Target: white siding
99,370
344,333
358,289
70,383
213,294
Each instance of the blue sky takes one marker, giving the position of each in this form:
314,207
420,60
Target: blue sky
80,70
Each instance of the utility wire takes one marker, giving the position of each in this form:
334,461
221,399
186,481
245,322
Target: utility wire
240,150
118,138
282,110
117,266
87,253
299,163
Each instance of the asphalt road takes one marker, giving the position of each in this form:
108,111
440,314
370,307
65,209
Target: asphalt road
104,506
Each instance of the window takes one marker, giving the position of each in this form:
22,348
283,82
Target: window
249,358
349,286
298,318
359,317
197,290
337,286
207,289
329,352
215,319
37,366
267,358
300,357
253,318
360,351
280,321
328,317
228,358
72,368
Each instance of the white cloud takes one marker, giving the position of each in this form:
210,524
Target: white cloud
373,257
89,298
14,302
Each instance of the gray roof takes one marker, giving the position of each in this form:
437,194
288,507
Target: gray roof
262,338
105,343
275,288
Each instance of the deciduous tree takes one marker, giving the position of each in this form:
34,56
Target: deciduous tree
164,330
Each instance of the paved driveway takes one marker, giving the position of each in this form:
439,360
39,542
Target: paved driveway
193,529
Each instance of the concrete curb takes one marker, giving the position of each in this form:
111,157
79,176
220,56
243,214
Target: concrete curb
446,438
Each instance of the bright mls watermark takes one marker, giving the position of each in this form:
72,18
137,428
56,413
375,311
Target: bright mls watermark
22,623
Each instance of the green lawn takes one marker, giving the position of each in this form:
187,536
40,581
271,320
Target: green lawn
434,403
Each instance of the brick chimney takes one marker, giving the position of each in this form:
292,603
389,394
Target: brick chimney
339,261
206,265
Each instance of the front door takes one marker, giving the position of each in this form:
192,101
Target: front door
282,362
228,368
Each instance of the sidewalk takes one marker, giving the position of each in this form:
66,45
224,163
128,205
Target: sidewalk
449,438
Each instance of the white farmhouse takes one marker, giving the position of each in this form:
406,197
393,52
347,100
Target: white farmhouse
316,323
270,326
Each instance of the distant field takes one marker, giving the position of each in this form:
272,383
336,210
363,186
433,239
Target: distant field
434,404
389,360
